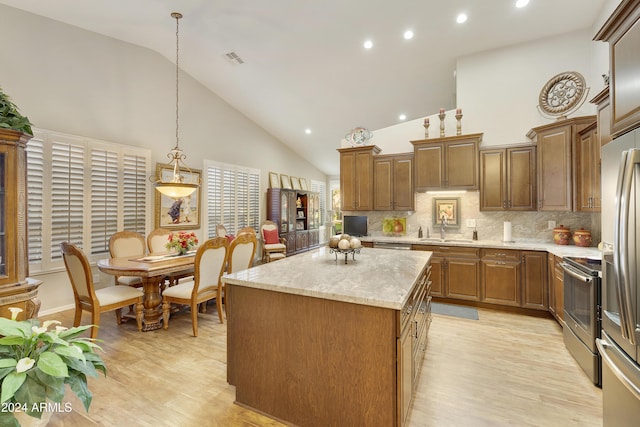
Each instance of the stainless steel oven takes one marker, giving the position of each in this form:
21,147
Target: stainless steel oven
582,313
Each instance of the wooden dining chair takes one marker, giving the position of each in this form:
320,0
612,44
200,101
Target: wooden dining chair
209,266
246,230
98,301
240,256
127,244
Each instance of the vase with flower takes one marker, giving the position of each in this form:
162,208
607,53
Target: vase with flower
181,242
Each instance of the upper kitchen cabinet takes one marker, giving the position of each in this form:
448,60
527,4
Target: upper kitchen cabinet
587,176
393,182
447,163
603,104
508,178
622,32
555,162
356,177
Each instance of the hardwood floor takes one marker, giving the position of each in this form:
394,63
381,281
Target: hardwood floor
502,370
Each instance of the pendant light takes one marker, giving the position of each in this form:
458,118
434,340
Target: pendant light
176,188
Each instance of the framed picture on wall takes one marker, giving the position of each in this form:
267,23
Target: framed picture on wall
182,213
274,180
448,208
303,184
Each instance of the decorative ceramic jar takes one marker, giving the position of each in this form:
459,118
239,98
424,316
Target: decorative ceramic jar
582,237
561,235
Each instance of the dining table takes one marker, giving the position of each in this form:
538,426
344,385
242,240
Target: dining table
152,269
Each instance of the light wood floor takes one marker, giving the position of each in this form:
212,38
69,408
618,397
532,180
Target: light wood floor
501,370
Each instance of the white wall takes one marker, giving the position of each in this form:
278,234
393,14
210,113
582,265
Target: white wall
70,80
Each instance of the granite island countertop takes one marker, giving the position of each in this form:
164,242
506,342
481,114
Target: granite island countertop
377,277
452,240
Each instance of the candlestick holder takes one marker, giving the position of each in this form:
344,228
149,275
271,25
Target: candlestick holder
426,129
442,115
459,124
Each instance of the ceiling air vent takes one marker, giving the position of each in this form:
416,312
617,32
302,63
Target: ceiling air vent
233,58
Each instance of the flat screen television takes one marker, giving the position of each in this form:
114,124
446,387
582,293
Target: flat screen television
354,225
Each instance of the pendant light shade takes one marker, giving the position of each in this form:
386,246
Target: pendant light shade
176,188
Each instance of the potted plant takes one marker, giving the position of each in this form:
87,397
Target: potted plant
37,361
10,117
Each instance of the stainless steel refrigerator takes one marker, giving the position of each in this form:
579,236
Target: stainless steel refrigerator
620,342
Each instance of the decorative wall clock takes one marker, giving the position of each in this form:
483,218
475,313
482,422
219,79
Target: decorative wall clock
562,94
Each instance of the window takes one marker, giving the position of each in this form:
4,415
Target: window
321,188
233,197
81,191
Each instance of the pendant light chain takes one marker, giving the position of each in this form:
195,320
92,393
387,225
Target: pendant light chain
177,16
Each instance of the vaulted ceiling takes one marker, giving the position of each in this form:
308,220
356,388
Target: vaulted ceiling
303,62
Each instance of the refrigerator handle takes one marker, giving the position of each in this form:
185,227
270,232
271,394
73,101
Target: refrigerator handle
621,260
603,347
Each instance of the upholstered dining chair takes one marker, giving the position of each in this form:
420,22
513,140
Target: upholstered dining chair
240,256
273,246
156,243
209,266
246,230
157,239
221,230
96,301
127,244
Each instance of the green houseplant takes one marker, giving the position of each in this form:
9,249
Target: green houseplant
37,361
10,117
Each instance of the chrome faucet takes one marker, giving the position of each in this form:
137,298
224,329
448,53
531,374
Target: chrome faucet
443,223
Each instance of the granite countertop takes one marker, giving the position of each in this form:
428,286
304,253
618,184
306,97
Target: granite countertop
377,277
558,250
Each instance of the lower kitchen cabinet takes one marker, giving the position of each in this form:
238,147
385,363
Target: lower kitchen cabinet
501,277
556,288
534,280
455,271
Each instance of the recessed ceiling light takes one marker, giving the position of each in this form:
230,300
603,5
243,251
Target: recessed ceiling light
522,3
307,131
461,18
408,35
402,117
368,44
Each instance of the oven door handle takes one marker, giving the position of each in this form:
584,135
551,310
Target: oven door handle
573,273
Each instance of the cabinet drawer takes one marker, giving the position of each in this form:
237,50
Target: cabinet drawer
412,306
449,251
501,254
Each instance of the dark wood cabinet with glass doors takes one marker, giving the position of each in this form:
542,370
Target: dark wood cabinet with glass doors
297,214
16,289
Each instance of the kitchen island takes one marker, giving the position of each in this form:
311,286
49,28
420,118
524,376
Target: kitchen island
313,341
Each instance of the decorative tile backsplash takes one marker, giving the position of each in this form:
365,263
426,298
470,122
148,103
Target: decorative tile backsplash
526,226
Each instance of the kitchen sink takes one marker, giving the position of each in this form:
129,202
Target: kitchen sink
447,240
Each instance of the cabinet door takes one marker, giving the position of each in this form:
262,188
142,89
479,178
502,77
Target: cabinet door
559,289
492,180
551,272
429,173
347,180
383,183
403,193
437,276
461,160
521,179
534,280
290,241
462,278
554,169
302,240
501,282
588,171
364,181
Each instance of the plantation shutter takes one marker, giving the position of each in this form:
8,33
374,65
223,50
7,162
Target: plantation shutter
320,188
35,191
135,193
104,199
214,199
228,201
67,195
253,210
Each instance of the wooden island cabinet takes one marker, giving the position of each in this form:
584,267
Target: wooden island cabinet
314,341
